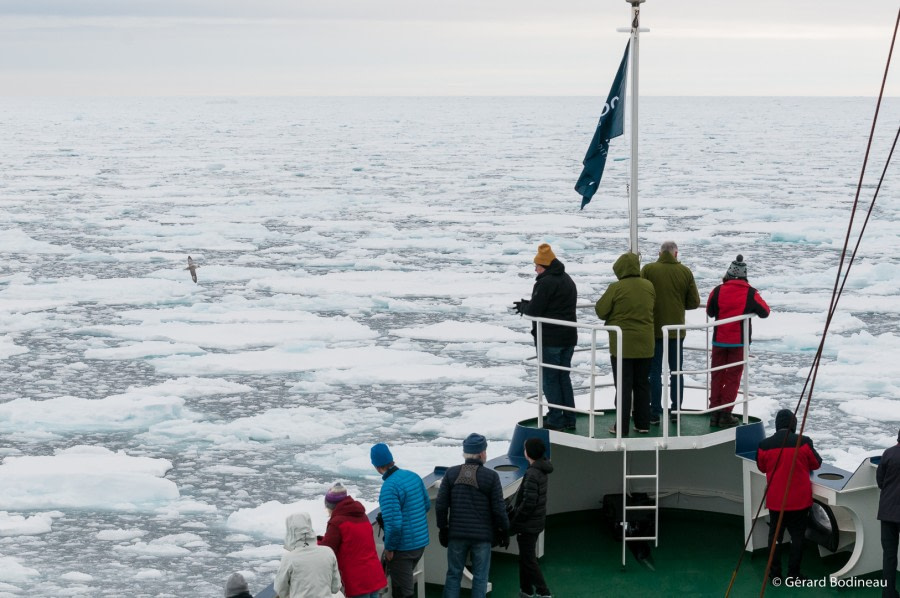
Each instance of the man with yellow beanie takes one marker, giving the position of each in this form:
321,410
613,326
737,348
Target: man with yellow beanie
554,296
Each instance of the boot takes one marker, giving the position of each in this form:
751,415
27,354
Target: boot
714,419
726,420
524,595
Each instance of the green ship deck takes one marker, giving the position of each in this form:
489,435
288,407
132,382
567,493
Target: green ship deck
692,424
697,554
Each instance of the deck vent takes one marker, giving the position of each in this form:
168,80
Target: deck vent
830,476
507,468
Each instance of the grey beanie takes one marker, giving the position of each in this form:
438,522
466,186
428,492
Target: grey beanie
737,269
236,585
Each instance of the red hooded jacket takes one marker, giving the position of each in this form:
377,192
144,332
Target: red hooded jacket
774,456
349,535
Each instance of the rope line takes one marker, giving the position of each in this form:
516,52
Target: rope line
838,289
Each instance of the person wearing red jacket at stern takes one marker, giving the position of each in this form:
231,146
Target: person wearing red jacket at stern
794,496
349,535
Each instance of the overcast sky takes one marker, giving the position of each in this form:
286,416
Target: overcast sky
441,47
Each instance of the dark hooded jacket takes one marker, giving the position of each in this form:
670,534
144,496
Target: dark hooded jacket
774,456
529,510
628,303
554,296
888,478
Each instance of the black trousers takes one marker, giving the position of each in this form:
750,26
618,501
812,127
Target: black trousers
795,523
401,568
531,580
635,381
890,531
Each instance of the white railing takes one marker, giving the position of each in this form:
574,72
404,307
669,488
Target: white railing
591,372
743,399
744,396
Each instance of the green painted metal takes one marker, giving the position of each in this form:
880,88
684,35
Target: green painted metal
692,424
696,557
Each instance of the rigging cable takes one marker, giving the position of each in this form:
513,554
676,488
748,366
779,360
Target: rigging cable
837,291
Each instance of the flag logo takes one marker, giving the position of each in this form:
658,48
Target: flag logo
608,127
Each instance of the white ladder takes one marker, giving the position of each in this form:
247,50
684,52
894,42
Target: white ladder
626,507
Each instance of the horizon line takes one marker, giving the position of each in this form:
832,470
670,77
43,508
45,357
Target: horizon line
418,96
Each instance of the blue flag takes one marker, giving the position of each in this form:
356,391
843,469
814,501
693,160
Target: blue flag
610,126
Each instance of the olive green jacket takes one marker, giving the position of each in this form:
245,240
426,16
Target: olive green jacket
675,289
628,303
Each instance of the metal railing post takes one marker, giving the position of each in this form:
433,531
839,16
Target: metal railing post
619,387
591,417
746,376
539,345
708,346
679,380
665,387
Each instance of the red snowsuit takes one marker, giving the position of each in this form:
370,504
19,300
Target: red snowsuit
731,298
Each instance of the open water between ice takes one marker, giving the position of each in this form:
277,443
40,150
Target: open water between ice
357,261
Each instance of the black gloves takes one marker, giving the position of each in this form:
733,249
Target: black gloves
380,521
444,536
501,538
521,306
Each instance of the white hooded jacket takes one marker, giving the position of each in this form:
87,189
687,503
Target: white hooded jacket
308,570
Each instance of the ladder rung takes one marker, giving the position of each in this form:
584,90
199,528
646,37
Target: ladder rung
635,538
641,508
646,476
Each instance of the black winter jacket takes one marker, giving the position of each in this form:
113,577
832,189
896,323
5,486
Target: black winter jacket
529,510
554,296
888,477
474,512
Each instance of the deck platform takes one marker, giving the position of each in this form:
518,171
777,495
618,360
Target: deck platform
695,557
695,432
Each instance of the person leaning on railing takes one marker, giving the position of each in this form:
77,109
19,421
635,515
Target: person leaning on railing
349,535
554,296
628,304
734,297
404,505
676,292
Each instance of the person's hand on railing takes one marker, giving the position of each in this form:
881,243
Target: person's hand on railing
521,306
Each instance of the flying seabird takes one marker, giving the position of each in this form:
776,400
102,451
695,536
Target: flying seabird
193,268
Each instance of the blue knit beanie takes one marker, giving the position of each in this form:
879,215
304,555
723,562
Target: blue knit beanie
381,455
474,444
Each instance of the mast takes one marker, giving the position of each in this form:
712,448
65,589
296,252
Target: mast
633,187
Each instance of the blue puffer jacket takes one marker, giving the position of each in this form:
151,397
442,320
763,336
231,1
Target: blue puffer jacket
474,513
404,503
